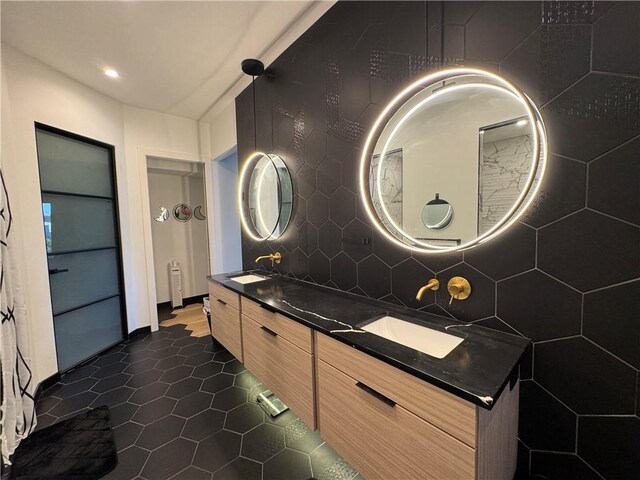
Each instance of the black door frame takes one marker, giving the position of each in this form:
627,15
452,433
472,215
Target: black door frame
114,191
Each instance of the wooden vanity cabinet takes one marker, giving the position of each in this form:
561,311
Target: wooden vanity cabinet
391,425
225,319
279,352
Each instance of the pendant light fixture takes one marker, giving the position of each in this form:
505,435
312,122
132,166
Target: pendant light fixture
255,68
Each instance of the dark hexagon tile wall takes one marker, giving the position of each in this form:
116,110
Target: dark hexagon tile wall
566,276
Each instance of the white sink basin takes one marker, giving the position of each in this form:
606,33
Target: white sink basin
426,340
244,279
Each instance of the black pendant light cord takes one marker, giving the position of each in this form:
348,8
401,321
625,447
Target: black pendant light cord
441,34
255,124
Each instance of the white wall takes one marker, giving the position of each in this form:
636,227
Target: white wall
223,131
159,135
185,242
226,251
37,93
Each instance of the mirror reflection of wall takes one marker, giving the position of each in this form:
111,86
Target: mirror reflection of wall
505,161
264,193
268,199
464,138
437,214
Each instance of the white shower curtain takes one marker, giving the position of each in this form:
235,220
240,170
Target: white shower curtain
17,413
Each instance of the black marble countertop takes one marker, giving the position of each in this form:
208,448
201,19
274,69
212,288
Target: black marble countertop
477,370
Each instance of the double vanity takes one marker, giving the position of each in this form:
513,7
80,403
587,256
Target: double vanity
397,392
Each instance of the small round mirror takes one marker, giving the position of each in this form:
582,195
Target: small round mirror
463,131
437,214
266,200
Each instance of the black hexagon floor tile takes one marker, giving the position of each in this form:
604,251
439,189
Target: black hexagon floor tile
240,469
203,425
176,374
126,434
154,410
72,389
182,421
130,462
229,398
233,367
263,442
123,413
289,464
207,370
149,393
145,378
160,432
110,383
217,450
243,418
184,387
194,403
192,473
169,459
217,383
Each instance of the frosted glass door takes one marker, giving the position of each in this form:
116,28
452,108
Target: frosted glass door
79,212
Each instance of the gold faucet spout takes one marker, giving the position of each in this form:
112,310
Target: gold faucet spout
433,284
274,257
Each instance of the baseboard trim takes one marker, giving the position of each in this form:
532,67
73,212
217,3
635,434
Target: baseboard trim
185,301
45,384
139,331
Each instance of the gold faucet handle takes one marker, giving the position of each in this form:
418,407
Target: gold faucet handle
459,288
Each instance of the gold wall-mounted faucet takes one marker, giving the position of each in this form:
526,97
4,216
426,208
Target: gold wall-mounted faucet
274,257
459,288
433,284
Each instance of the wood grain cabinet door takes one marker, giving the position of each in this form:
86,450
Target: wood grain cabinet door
282,366
383,440
225,326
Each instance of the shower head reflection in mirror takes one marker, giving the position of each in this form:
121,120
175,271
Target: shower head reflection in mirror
265,196
465,132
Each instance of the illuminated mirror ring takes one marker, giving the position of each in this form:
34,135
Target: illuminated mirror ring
264,196
409,112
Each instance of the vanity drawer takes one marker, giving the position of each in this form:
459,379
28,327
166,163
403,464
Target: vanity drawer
225,327
218,291
296,333
444,410
382,440
280,365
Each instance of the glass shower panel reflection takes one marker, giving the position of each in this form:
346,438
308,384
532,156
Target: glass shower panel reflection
81,232
73,166
83,332
82,278
79,223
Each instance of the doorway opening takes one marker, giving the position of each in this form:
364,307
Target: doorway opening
177,204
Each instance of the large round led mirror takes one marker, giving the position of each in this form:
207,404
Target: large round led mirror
467,134
265,196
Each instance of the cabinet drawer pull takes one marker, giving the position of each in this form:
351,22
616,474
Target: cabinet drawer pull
378,395
221,302
268,308
269,331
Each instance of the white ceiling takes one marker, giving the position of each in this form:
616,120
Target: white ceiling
176,57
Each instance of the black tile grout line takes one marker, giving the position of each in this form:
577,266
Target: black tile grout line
626,222
554,397
548,102
613,355
630,76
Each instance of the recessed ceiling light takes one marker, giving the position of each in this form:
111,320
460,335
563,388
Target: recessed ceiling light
110,72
